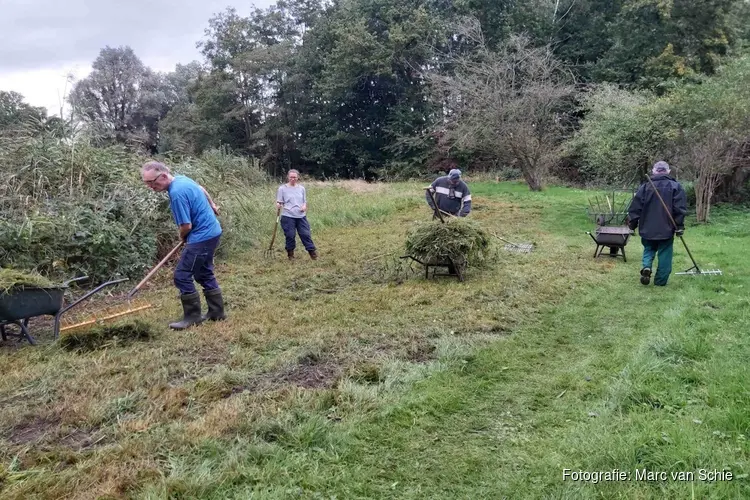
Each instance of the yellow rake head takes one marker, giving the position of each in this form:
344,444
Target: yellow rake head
90,319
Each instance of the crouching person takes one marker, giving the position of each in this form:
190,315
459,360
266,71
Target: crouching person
194,213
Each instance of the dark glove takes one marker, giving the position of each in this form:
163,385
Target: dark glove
680,231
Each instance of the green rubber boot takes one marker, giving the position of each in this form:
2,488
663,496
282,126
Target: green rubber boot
191,307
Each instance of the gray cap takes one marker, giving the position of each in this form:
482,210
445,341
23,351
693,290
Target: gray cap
660,167
454,174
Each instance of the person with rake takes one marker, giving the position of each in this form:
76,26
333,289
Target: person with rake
194,213
451,194
655,225
291,199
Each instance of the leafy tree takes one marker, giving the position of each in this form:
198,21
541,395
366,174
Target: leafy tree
654,41
510,103
121,100
15,113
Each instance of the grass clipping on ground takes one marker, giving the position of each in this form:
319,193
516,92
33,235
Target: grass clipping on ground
461,240
11,278
100,336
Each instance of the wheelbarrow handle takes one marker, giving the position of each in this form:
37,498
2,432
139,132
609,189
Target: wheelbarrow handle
66,283
81,299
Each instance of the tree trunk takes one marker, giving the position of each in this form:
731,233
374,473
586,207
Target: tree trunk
704,192
531,176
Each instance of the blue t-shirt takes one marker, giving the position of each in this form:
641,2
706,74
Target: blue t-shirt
190,206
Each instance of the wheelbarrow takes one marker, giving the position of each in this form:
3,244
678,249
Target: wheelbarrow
455,268
21,303
613,237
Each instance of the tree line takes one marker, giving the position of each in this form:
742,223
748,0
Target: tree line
394,89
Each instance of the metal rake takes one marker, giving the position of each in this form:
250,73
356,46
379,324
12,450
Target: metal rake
515,247
695,270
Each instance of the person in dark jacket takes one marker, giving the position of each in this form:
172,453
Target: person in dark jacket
451,194
657,232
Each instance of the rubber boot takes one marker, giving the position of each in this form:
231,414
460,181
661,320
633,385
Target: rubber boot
313,255
645,276
215,305
191,307
290,254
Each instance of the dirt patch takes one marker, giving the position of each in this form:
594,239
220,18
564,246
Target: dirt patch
421,352
312,373
48,431
80,440
33,431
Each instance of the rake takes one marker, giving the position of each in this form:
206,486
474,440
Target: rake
108,314
695,270
515,247
437,212
269,253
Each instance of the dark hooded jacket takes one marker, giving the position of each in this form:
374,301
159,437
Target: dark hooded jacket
647,213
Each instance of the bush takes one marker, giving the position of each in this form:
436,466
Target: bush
620,137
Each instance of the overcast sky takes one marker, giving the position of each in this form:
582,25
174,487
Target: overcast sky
42,41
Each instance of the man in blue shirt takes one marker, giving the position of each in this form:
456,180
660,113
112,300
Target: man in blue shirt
194,213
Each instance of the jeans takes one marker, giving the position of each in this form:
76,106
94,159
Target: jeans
197,262
294,225
662,248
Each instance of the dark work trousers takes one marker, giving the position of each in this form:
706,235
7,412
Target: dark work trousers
664,250
294,225
197,262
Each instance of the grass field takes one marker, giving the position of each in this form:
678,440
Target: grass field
353,377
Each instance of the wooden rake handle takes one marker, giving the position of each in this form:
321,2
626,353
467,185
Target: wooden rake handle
275,227
435,208
156,268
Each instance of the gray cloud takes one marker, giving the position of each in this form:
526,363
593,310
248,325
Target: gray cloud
39,34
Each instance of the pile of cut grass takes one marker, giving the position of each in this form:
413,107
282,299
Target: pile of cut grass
13,278
100,336
461,240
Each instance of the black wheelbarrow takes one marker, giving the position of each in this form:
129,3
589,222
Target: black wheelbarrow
21,303
454,267
613,237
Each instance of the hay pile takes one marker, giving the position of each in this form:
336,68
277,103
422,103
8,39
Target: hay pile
10,278
462,240
98,337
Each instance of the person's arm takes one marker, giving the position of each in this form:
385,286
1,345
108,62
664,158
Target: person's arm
185,230
679,208
634,211
279,198
181,211
214,207
304,200
466,203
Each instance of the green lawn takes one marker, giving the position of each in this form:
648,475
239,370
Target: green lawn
349,378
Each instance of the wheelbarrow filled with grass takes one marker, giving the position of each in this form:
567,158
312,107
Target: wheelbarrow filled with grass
26,296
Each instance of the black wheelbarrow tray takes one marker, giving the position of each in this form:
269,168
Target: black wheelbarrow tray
614,237
21,303
455,267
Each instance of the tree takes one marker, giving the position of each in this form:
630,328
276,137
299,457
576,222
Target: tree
654,41
510,104
709,155
121,100
621,135
15,113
